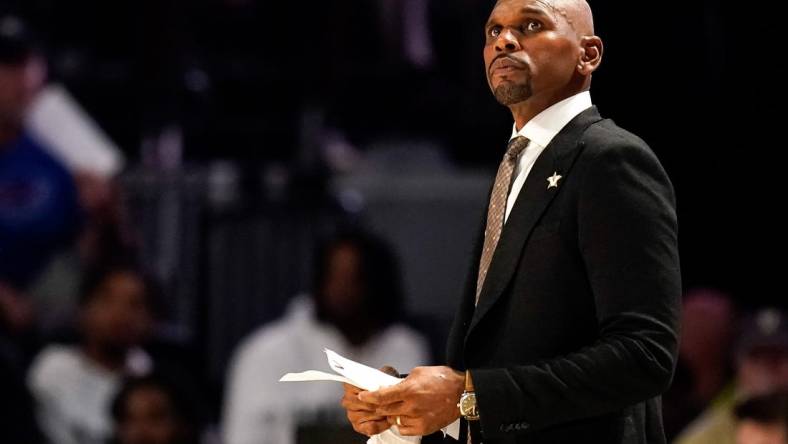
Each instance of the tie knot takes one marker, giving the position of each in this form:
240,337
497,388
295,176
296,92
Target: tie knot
516,146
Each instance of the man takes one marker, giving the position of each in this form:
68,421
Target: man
73,385
355,309
39,211
568,326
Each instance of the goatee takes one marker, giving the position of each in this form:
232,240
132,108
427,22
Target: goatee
511,93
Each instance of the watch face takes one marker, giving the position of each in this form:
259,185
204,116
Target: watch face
468,404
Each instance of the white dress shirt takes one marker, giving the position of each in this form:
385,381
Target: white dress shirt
540,131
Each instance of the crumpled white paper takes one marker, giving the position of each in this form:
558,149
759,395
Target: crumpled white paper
366,378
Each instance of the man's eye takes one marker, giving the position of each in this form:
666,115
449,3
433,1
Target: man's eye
495,31
533,26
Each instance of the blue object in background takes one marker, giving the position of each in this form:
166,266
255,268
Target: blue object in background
39,210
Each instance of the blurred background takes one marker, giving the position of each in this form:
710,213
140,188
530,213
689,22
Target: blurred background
199,196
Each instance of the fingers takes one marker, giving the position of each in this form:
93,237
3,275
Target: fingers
407,425
368,425
351,390
351,402
362,415
400,420
394,410
385,395
350,399
357,417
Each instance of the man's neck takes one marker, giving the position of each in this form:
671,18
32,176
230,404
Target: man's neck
524,112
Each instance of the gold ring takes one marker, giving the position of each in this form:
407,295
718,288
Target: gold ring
399,421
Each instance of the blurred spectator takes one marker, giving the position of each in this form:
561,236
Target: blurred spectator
52,225
74,385
354,311
39,210
704,368
763,419
155,410
761,358
104,237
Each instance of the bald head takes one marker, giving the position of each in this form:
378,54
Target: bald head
576,13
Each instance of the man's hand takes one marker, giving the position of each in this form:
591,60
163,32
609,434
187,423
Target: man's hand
425,401
361,414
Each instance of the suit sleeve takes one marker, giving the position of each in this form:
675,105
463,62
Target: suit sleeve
627,238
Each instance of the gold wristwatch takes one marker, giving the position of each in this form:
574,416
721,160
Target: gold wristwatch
467,404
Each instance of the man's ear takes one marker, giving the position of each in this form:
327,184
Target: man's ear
591,54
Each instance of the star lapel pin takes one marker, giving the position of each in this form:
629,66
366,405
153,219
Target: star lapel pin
553,180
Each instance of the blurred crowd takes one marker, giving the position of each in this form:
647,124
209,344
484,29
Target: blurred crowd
83,357
731,365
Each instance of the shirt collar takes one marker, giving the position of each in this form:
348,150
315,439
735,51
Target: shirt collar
547,124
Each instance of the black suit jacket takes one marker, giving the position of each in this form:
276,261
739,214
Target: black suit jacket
576,330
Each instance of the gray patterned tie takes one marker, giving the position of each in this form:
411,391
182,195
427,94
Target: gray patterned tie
497,208
495,213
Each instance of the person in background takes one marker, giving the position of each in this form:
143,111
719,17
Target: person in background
354,310
708,320
39,208
73,386
105,236
761,361
154,409
763,419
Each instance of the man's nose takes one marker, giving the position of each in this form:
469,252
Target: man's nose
507,41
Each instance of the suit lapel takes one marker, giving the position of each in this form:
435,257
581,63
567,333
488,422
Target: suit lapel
558,157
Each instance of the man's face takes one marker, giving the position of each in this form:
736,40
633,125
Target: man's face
343,288
118,315
531,49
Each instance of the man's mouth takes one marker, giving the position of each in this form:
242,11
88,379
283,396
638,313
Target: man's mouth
506,65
